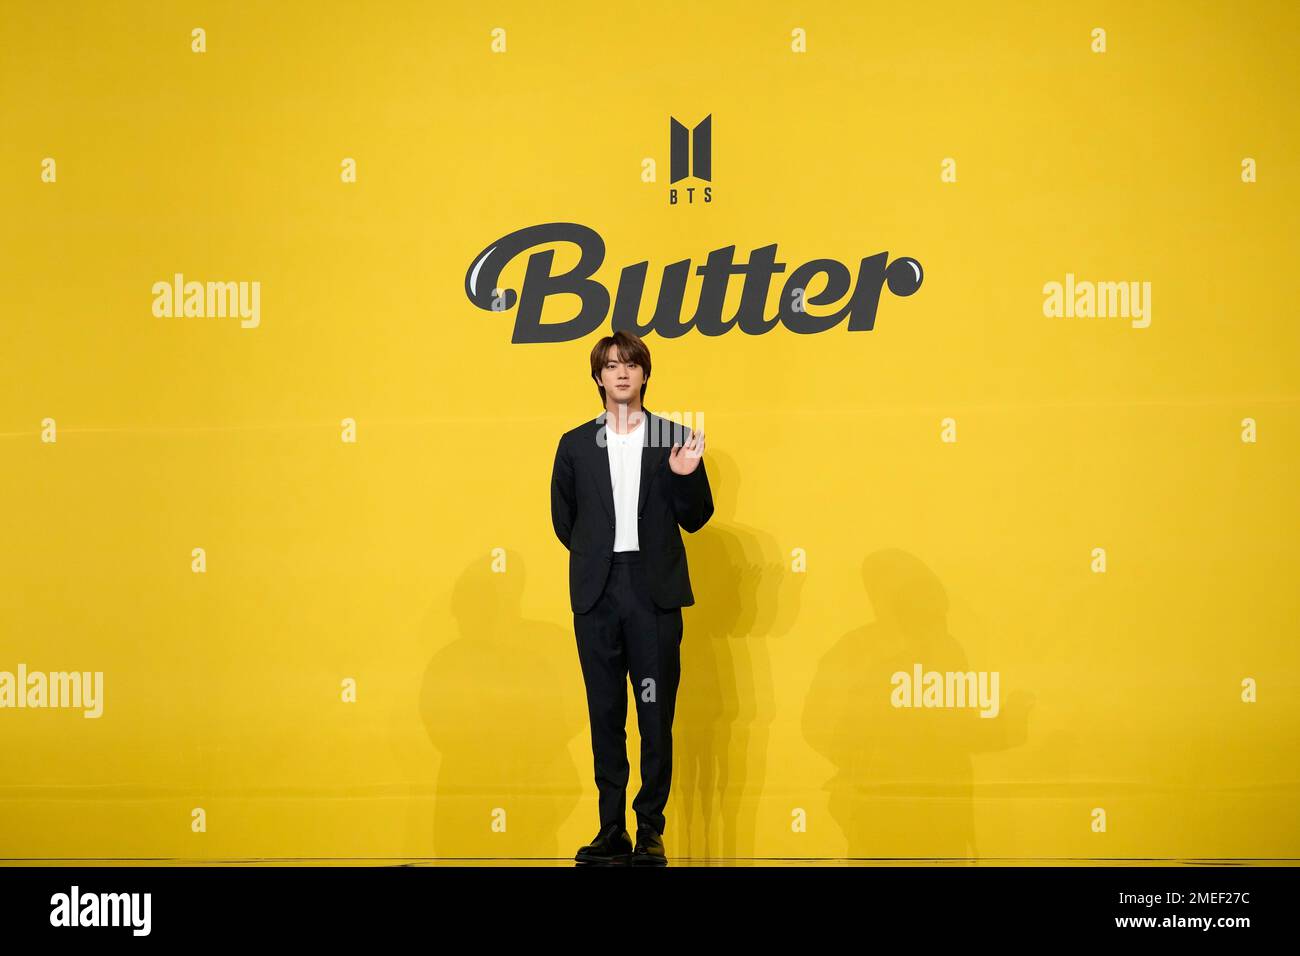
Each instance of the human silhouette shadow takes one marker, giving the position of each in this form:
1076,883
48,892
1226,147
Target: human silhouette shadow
746,597
904,781
501,715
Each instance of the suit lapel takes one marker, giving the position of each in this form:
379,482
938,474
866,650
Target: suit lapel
649,456
598,458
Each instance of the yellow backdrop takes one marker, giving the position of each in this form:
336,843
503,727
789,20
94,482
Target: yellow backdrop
319,647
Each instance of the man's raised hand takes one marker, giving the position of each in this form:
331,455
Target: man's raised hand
684,459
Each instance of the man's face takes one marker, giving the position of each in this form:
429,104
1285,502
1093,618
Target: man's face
622,380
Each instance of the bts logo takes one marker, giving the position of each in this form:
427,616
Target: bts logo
691,154
682,154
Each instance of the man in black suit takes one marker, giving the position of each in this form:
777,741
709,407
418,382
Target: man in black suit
622,486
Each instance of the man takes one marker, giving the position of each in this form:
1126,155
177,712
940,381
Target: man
622,486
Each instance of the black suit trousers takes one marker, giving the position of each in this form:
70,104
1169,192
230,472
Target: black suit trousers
624,633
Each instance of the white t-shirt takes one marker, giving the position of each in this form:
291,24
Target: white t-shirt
625,474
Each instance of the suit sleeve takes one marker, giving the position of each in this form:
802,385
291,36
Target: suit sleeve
692,498
563,499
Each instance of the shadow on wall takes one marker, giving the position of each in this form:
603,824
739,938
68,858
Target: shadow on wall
903,786
745,599
503,710
501,716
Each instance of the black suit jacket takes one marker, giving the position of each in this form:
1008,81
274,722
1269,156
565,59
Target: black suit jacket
582,511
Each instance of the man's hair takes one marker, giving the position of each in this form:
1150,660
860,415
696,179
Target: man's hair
630,349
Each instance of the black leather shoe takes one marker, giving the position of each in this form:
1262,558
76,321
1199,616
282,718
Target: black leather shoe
649,849
612,845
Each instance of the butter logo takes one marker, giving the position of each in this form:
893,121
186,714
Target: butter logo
902,277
